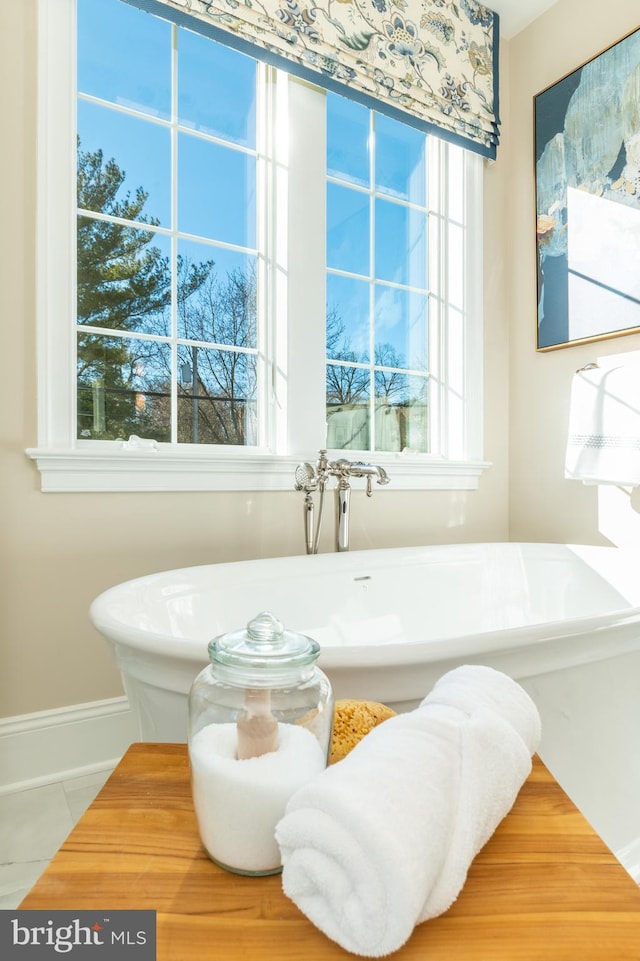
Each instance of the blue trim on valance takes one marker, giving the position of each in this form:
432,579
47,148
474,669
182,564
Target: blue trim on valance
320,78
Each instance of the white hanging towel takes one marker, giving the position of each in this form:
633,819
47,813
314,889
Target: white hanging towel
382,840
603,446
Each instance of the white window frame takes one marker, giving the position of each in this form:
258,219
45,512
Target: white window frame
297,429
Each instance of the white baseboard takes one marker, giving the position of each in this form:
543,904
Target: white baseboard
65,742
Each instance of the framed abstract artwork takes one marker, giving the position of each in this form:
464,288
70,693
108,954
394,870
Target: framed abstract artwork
587,178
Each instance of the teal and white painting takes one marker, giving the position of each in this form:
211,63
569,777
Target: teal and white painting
587,144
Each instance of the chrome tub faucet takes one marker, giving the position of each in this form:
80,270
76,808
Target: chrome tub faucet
309,479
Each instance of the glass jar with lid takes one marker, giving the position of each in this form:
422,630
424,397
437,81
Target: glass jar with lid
260,720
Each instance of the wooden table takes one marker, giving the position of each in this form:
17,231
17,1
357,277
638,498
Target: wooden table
545,887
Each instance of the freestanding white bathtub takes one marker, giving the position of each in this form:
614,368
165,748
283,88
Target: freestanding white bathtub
562,620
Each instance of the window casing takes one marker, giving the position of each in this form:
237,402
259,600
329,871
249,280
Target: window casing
292,425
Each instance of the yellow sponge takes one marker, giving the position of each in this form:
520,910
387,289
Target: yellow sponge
352,720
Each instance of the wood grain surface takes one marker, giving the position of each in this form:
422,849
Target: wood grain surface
545,886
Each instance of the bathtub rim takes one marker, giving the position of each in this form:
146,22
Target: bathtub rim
398,653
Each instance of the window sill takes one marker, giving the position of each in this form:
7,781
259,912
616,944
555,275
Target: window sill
109,470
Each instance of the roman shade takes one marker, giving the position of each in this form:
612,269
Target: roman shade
430,63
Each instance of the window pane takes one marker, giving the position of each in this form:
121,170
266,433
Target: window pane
124,277
401,328
347,318
400,160
347,407
124,388
216,295
216,396
401,244
401,416
216,192
347,140
124,165
124,56
347,229
216,89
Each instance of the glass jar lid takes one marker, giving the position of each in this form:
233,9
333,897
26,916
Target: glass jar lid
263,653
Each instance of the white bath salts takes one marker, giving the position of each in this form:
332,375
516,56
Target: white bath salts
239,802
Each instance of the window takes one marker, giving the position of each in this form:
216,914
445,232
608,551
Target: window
377,281
168,190
252,269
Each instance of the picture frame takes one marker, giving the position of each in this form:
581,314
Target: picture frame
587,188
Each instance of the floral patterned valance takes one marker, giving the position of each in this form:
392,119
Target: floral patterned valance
432,63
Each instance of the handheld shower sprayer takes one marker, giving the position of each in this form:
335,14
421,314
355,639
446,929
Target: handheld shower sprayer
306,480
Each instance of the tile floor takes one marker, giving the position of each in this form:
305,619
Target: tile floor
33,825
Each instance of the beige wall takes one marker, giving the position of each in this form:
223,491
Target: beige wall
544,506
59,551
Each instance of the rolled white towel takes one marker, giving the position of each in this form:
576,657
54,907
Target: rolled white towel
383,840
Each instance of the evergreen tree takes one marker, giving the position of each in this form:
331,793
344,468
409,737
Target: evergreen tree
124,285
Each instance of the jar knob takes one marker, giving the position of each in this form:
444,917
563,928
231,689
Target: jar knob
265,628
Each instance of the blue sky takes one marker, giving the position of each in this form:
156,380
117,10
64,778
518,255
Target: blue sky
125,58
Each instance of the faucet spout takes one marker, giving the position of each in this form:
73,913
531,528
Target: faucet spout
360,469
382,476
